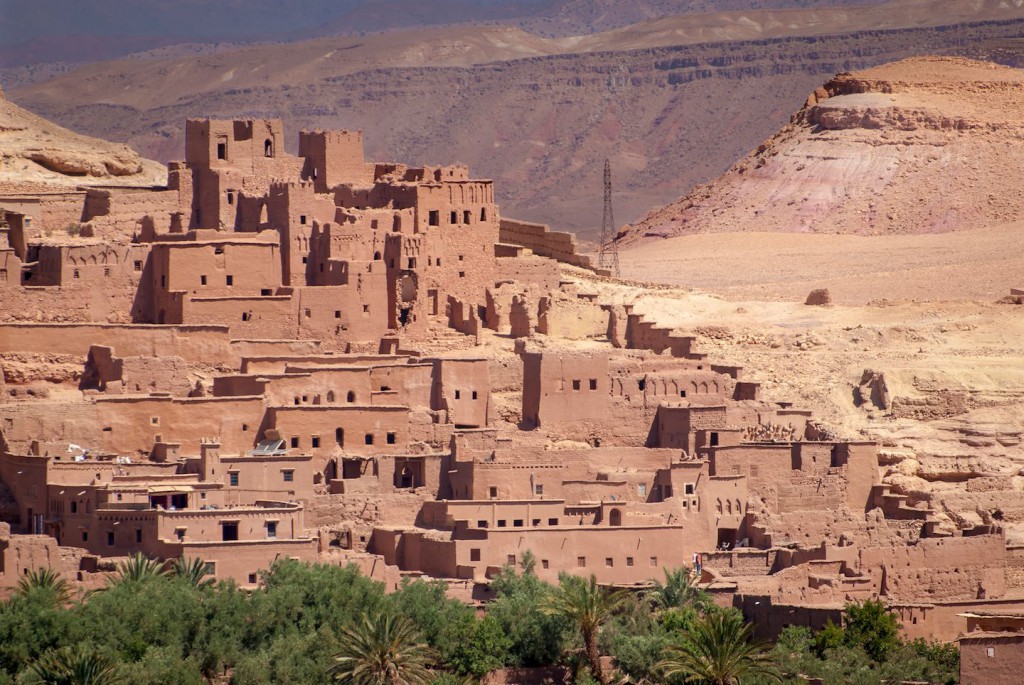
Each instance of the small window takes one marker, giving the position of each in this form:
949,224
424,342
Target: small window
163,280
391,439
229,280
544,563
154,420
654,561
682,393
138,535
211,568
492,492
106,271
538,489
202,280
483,214
714,438
435,217
502,523
688,488
369,438
271,529
535,523
302,219
609,562
575,385
351,397
76,274
85,536
315,441
481,524
467,216
295,441
337,313
288,476
412,263
454,217
366,309
553,522
462,274
593,384
233,478
308,312
252,578
517,523
474,394
474,554
222,150
231,198
457,394
266,292
581,561
641,490
629,561
74,507
138,265
110,538
510,560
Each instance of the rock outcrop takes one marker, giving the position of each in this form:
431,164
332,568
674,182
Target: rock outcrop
37,151
924,145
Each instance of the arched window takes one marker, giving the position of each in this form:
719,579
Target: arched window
330,396
268,148
339,436
376,256
615,517
351,396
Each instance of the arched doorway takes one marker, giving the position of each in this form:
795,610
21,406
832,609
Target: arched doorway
615,517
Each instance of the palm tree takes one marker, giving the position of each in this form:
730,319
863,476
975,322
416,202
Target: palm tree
588,606
74,666
382,650
194,570
677,592
45,580
138,569
718,651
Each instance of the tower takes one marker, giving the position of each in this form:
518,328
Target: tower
608,251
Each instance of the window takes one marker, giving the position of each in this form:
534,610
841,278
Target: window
474,394
302,219
581,561
688,488
492,492
233,478
654,561
517,523
435,217
369,438
510,560
641,490
474,554
351,397
288,476
502,523
295,441
271,529
211,568
315,440
110,538
106,271
265,292
481,524
138,535
74,507
391,438
163,280
366,309
629,561
308,312
462,274
222,150
544,563
454,217
229,531
483,214
457,394
229,280
552,522
467,216
154,420
252,579
202,280
85,536
714,438
538,489
535,523
76,273
337,313
412,263
576,385
682,393
609,562
231,197
593,384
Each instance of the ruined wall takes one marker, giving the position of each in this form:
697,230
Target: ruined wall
543,241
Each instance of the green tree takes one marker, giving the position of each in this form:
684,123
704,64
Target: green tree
537,637
45,582
138,569
678,592
77,665
193,570
718,651
870,626
382,650
587,606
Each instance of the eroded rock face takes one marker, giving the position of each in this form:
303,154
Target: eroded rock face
37,151
874,152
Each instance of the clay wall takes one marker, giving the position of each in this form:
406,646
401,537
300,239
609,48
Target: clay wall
462,387
543,241
333,158
208,344
564,387
529,270
328,431
991,659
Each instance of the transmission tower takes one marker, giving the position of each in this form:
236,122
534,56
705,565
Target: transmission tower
608,252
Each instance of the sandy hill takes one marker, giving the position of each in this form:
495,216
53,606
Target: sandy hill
35,151
924,145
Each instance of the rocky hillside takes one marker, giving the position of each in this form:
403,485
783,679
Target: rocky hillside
36,151
924,145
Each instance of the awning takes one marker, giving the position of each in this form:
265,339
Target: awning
168,489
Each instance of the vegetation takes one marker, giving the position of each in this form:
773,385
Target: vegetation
153,625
